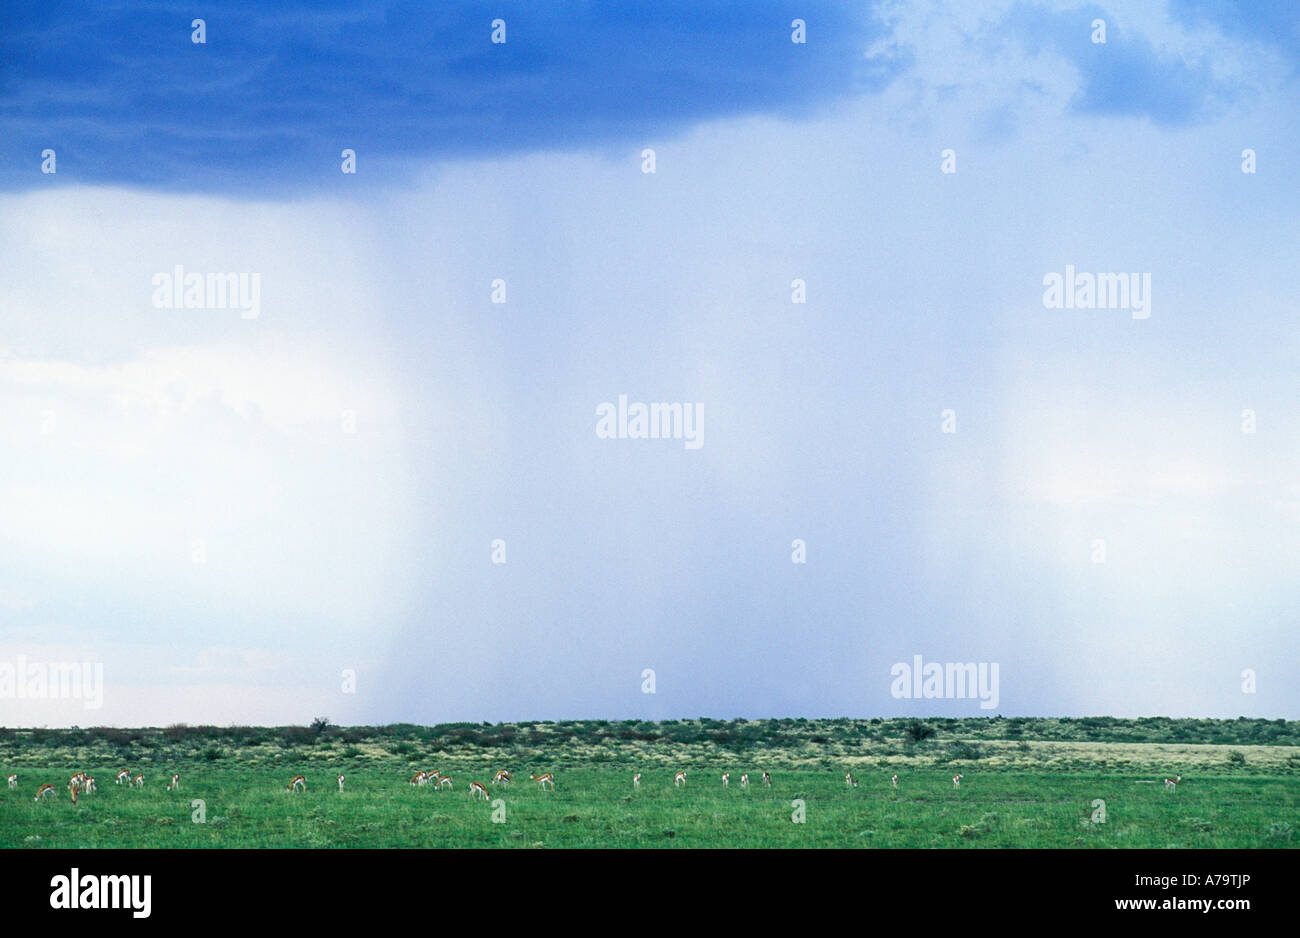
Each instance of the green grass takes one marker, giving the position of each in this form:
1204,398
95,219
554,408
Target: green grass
1016,792
597,807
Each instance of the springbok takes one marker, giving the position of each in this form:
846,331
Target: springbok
138,781
340,783
501,778
419,778
544,780
726,779
44,792
299,783
636,780
124,776
478,788
744,780
444,781
89,785
956,780
679,780
767,780
175,783
13,781
850,780
1172,783
894,780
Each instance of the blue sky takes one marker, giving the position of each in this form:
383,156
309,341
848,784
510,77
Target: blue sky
345,460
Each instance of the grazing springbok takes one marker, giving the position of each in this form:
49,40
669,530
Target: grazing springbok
13,781
767,780
419,778
956,780
175,783
299,783
726,779
89,785
138,781
1172,783
44,792
478,788
894,780
444,781
679,780
544,780
744,780
340,783
636,780
850,780
501,778
124,776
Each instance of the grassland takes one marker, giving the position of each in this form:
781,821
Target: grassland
1027,783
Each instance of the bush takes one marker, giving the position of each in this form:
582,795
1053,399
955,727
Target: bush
916,731
962,750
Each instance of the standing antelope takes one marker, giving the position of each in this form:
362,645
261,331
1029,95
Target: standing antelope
44,792
1172,783
74,786
299,782
419,778
501,778
175,783
544,780
13,781
744,780
138,782
726,779
124,776
89,785
767,780
894,780
636,780
340,783
679,780
476,789
444,781
956,780
850,780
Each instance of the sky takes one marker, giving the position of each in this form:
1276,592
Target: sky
374,485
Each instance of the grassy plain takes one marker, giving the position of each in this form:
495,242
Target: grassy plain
1027,783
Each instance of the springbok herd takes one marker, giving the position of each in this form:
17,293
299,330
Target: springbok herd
83,782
